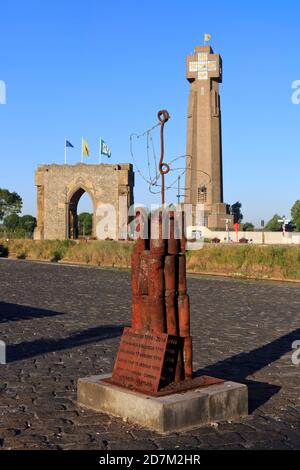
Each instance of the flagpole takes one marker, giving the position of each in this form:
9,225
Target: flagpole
100,151
65,151
81,149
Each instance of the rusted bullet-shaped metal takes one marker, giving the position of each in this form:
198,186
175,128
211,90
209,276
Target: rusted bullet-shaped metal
145,313
171,315
182,241
143,273
156,315
170,275
140,245
135,313
188,357
182,248
173,242
182,289
170,295
184,315
157,246
156,283
139,273
141,227
135,272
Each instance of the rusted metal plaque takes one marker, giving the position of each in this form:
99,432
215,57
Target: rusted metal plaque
170,361
141,364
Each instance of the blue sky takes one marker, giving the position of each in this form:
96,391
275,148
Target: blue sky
93,68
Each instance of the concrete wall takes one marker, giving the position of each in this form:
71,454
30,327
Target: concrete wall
269,238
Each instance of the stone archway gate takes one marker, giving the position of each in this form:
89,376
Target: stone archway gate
59,188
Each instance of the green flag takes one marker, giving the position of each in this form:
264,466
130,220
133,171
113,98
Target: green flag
104,149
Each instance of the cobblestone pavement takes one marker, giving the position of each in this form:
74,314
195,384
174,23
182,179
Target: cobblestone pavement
64,322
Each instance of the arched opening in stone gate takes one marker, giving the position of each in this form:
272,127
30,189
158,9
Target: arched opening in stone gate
81,215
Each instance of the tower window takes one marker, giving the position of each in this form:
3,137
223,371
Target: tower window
202,194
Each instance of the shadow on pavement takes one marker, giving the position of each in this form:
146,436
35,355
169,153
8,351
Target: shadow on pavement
239,367
14,312
29,349
236,368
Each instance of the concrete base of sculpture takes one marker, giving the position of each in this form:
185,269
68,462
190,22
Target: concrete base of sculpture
165,414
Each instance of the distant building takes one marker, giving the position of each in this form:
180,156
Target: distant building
59,188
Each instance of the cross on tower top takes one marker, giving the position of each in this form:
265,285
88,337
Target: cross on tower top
203,64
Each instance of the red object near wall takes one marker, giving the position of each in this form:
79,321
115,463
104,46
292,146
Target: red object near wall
160,306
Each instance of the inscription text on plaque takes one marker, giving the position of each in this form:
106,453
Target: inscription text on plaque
146,361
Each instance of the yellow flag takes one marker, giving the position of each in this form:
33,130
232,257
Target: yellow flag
207,37
85,148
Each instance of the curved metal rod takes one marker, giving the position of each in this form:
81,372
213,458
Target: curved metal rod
164,168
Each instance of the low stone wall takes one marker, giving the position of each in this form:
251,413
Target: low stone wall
267,238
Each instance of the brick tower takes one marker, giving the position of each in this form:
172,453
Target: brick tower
204,179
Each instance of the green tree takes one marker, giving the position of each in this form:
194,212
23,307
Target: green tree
273,225
10,203
28,223
295,211
85,223
12,221
235,210
248,227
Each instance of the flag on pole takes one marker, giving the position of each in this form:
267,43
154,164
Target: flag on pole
207,37
104,149
67,144
85,151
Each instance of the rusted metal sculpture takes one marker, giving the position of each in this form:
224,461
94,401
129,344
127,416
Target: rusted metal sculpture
157,350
